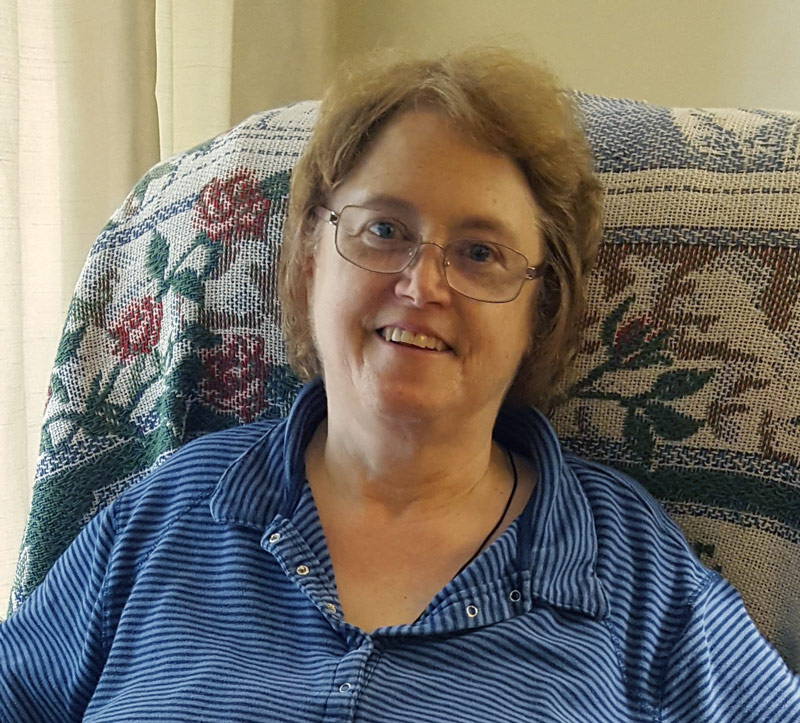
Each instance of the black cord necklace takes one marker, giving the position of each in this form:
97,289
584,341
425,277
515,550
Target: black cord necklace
499,521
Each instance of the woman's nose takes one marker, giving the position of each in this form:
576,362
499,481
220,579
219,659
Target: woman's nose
424,281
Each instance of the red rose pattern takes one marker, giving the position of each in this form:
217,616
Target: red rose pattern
138,329
232,208
234,376
630,337
631,332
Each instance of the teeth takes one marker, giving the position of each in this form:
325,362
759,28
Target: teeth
403,336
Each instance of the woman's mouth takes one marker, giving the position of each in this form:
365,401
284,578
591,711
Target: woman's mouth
409,338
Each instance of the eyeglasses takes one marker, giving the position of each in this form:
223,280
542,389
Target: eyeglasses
479,269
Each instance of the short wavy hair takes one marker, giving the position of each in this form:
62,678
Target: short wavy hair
501,102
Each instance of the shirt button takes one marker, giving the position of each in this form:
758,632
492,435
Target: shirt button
514,596
274,537
472,611
344,687
331,608
302,570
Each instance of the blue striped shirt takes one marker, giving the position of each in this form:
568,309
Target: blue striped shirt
205,593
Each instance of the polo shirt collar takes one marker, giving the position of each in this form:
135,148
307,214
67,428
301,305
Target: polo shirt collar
267,479
556,549
557,538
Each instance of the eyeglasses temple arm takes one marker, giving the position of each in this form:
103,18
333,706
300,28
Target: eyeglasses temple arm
326,215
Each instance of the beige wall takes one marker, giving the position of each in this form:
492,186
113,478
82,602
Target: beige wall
301,31
671,52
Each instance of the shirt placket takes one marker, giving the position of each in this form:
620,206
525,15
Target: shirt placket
303,566
350,677
314,577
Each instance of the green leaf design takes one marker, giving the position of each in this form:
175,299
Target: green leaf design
214,250
157,256
93,311
141,187
107,419
162,438
276,185
201,337
612,321
670,424
638,346
58,389
69,345
188,284
680,383
46,442
645,360
86,311
639,435
203,417
183,377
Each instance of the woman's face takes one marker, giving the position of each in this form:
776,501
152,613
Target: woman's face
424,173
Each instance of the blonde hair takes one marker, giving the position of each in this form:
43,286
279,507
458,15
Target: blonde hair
501,102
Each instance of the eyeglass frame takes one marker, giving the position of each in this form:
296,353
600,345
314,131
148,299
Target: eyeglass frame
333,217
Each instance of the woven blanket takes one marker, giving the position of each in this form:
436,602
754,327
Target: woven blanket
688,378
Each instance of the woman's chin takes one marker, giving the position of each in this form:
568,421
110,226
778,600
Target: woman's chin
396,389
408,399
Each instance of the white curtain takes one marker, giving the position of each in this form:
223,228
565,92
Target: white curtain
92,93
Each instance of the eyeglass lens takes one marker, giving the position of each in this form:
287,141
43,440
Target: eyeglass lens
478,268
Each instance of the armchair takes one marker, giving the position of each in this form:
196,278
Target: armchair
688,378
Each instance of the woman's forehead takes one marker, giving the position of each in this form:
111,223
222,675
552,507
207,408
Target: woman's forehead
419,165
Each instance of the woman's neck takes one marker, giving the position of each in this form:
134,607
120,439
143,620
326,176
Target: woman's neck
416,468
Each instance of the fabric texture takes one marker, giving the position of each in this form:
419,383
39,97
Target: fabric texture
689,378
591,603
89,93
64,166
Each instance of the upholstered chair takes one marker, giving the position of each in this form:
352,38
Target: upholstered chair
688,377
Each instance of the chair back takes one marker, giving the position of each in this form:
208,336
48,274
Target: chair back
688,378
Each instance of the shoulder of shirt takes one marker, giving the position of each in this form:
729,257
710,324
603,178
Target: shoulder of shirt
631,528
654,584
190,474
630,521
636,536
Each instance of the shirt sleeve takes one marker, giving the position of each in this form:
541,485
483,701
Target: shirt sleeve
722,669
53,648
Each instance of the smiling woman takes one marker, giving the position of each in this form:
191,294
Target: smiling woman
420,160
413,524
515,114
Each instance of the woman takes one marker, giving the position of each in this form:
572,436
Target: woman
410,544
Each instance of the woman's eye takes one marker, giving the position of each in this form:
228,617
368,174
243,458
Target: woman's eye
481,253
383,229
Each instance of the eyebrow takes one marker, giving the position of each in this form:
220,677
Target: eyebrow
384,201
486,223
